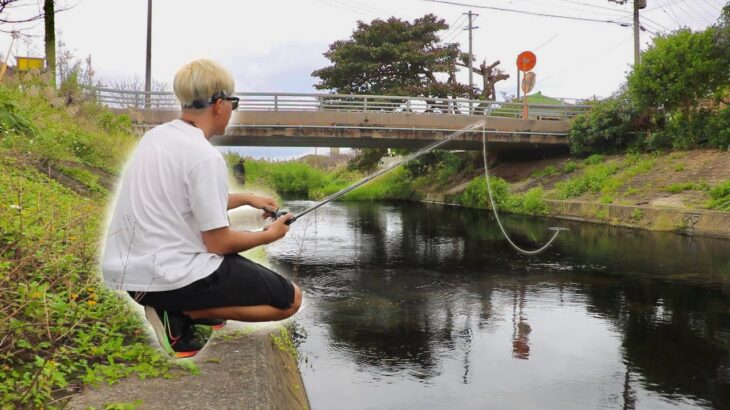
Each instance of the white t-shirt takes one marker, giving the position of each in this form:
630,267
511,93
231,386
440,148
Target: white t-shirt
173,188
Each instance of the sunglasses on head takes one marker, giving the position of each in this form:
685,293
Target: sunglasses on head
197,104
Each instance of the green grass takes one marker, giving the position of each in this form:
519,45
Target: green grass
397,184
60,327
548,171
569,167
720,197
293,177
592,180
476,195
604,177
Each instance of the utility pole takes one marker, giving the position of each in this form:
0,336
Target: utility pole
638,5
471,53
148,70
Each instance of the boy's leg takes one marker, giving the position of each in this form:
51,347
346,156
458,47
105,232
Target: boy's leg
177,334
258,313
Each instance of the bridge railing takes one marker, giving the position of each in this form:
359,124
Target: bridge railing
564,109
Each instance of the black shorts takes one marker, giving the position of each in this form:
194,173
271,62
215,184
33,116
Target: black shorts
237,282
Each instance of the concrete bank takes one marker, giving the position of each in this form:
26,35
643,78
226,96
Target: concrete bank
686,221
243,368
681,220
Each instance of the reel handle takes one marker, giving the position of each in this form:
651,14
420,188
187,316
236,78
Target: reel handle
276,214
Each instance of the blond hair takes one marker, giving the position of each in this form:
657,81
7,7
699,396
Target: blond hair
200,79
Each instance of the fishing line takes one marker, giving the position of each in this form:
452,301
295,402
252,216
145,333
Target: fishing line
277,213
494,207
427,149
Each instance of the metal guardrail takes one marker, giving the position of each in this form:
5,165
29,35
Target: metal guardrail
298,102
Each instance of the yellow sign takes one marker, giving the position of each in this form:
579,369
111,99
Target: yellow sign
30,63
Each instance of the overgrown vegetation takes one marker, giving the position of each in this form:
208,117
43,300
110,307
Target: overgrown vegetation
676,97
293,178
60,328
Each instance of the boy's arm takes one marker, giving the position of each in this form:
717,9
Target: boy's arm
225,240
260,202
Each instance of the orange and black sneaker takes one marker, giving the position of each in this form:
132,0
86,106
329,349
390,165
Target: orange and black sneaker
176,332
214,324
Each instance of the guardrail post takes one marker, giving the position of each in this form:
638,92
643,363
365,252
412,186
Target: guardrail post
365,104
276,103
408,105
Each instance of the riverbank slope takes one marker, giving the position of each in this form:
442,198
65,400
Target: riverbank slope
684,191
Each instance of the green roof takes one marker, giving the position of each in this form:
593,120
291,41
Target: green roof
539,98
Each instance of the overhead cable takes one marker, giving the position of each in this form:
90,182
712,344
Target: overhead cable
623,24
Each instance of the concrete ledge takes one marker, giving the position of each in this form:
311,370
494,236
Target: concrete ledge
686,221
238,370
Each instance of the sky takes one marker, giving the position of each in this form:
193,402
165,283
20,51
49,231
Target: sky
274,46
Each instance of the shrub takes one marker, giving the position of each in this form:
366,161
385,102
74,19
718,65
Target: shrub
548,171
475,194
593,159
569,167
720,197
607,128
593,179
533,202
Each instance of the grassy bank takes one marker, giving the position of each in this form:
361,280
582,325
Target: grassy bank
59,328
684,179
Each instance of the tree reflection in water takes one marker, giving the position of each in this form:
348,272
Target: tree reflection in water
402,288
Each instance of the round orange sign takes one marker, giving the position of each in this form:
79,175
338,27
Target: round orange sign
526,61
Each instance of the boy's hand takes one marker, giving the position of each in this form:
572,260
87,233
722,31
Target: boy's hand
269,205
279,228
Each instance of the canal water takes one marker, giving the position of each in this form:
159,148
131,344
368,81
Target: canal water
411,306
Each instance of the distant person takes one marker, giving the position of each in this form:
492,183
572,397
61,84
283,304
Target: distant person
170,245
239,171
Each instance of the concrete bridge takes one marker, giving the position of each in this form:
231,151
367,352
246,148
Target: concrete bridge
332,120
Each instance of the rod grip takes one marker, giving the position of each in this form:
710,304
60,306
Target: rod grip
279,213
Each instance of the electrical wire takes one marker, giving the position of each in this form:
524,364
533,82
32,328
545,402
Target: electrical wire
623,24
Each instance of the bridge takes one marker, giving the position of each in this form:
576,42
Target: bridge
337,120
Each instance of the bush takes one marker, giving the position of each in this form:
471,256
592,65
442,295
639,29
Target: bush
532,202
61,329
718,133
720,197
569,167
594,179
607,128
475,194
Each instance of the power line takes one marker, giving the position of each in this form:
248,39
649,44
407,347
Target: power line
694,13
346,8
546,43
458,30
655,23
530,13
675,18
453,26
597,7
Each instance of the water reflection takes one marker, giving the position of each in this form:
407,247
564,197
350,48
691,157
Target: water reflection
425,306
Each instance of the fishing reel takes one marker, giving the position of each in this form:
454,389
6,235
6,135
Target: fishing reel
277,213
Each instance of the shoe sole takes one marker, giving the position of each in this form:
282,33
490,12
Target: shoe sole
219,327
154,319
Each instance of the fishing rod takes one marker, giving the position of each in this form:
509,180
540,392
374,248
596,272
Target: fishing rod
277,213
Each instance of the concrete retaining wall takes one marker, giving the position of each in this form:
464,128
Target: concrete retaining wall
249,369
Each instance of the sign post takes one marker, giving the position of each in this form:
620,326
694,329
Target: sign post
525,62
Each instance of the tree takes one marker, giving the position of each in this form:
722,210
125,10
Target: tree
678,70
49,20
393,57
490,76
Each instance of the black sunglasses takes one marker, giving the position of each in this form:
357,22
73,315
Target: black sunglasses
197,104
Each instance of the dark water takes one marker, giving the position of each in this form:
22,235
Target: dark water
413,306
